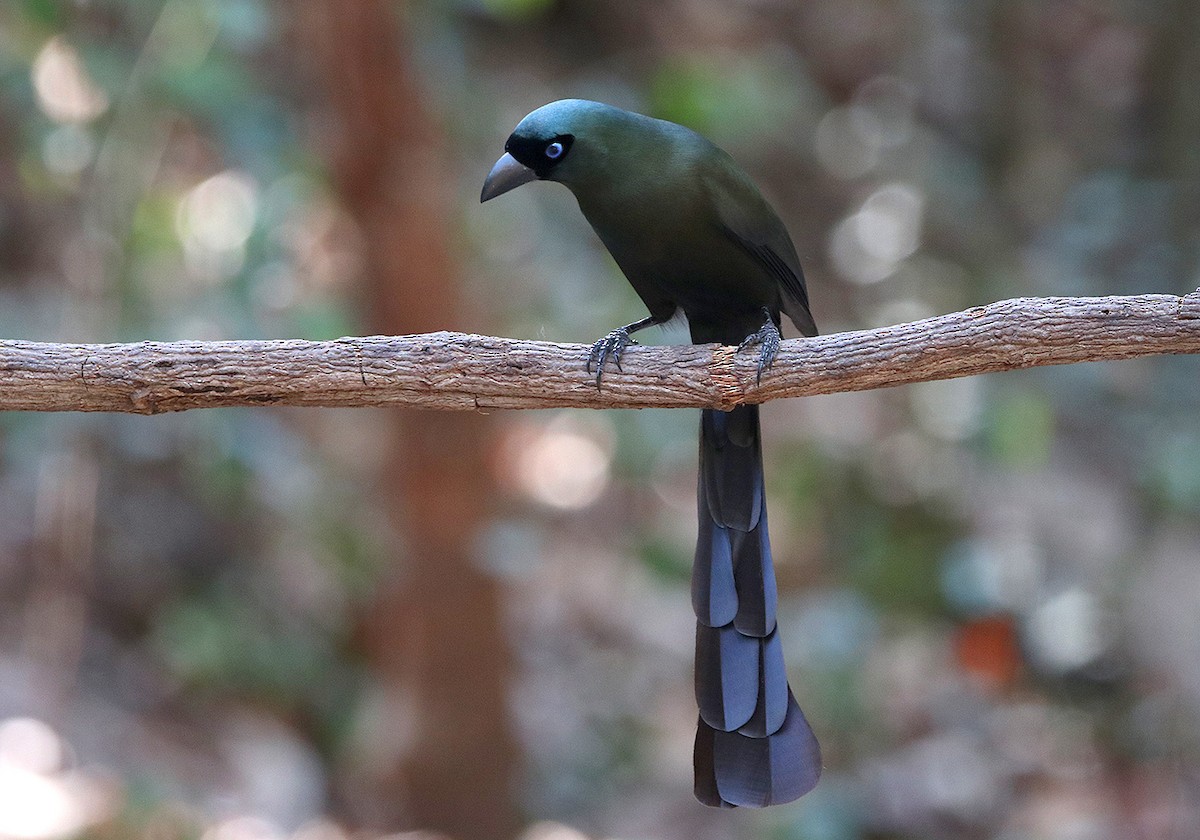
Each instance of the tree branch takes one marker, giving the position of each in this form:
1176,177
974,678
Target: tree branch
456,371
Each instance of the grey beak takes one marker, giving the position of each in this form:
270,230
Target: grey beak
507,174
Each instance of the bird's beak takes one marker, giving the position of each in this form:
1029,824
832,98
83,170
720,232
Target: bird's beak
507,174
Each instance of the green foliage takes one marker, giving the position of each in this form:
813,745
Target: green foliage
44,13
1020,428
735,99
1173,469
893,556
517,10
219,641
665,561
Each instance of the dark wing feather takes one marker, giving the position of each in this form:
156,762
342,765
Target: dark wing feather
747,219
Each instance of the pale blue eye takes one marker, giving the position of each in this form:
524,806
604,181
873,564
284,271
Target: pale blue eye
554,150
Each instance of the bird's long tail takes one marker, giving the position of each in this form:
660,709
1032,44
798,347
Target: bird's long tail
753,744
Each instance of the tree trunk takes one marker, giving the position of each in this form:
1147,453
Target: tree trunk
435,638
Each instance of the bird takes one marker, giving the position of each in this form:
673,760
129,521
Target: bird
692,234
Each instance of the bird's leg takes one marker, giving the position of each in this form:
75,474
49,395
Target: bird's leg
614,344
767,338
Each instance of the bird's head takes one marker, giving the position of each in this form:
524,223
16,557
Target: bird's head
562,141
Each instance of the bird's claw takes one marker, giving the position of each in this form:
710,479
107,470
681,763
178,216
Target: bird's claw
609,347
767,338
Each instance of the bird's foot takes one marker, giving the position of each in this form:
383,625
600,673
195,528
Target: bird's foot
767,338
609,347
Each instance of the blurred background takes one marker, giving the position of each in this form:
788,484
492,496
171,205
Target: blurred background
318,625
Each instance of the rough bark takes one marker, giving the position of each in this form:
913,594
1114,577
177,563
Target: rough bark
470,372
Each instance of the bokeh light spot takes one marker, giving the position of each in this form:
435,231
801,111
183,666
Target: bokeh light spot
65,91
562,465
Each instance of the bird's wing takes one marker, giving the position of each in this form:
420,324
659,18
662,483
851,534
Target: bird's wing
747,219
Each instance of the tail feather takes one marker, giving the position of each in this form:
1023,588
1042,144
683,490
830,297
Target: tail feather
729,701
756,772
714,592
731,467
773,693
754,579
753,744
705,765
